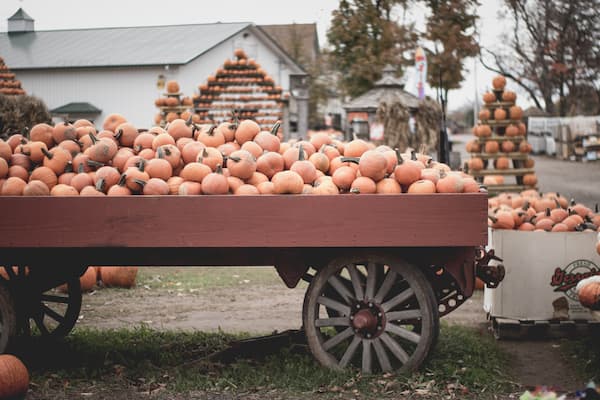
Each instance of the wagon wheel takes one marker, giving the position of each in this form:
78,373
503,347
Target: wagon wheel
389,314
8,321
51,312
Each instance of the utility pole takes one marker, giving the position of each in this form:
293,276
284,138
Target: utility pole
443,151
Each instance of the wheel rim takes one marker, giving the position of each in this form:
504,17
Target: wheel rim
51,314
370,313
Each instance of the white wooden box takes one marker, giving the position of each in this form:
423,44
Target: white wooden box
542,270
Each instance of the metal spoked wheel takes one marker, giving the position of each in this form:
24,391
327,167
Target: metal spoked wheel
8,320
50,313
372,313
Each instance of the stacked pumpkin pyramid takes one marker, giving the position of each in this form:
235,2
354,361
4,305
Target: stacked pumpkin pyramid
8,84
500,149
240,86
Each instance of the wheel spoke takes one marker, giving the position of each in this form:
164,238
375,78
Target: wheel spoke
10,272
337,339
388,282
395,348
371,280
336,305
337,321
403,333
356,282
39,321
339,286
403,315
366,357
398,299
349,353
384,361
55,299
52,314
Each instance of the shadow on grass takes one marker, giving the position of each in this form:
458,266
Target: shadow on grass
464,363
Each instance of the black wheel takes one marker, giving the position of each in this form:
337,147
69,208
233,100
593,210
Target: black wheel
361,309
51,313
8,320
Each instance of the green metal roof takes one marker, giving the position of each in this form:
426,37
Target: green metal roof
77,108
20,15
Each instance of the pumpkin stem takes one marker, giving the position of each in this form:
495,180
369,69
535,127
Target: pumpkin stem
194,130
211,130
557,203
548,212
100,184
140,182
142,164
573,202
219,169
160,153
122,179
354,137
354,160
189,120
526,205
69,166
493,219
94,138
118,134
399,156
24,140
300,153
275,128
355,190
80,169
94,164
413,155
596,208
167,151
204,152
25,150
235,159
78,143
47,153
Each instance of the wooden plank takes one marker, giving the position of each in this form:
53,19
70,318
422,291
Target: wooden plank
245,221
493,189
500,138
510,171
513,156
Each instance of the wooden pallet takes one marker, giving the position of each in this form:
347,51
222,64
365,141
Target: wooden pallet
505,328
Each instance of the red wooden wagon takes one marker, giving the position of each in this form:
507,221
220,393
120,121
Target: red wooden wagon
382,269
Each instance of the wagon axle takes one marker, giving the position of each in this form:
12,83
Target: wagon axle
367,319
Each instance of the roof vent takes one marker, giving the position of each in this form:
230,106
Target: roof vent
20,22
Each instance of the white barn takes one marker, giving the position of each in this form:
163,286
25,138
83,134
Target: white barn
118,69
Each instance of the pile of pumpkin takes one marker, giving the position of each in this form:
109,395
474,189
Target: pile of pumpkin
530,210
191,159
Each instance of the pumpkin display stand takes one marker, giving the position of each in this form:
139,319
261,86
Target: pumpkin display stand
172,105
377,287
242,87
500,150
537,297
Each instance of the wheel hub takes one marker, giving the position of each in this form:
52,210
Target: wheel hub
367,319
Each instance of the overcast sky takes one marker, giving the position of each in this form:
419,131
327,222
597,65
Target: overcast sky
75,14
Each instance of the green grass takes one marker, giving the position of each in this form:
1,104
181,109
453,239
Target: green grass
191,278
584,354
464,363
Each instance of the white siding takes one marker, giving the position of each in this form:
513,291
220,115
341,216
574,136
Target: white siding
131,91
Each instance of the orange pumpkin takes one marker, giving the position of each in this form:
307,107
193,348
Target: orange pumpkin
373,164
268,140
63,190
195,172
509,96
112,121
407,171
473,146
475,164
172,86
123,277
363,185
489,97
450,183
512,130
13,186
14,377
589,294
499,82
42,133
422,186
491,146
343,177
502,163
515,112
483,131
304,168
355,148
210,136
484,114
246,131
241,164
287,182
503,219
530,179
388,186
215,183
36,188
245,190
499,114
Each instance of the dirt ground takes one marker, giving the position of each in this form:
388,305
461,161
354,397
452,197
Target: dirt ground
269,306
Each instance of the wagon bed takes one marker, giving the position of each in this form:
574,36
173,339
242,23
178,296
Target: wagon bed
359,246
